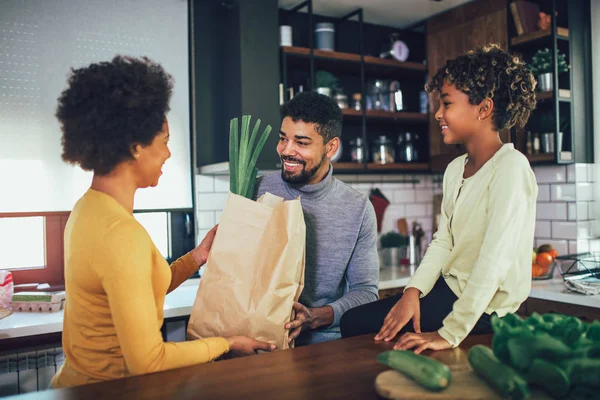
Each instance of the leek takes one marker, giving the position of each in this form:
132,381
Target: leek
242,156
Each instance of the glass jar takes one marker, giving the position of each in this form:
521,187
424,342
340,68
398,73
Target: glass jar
342,100
357,151
356,97
383,151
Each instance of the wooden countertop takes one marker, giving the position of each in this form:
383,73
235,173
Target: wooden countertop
341,369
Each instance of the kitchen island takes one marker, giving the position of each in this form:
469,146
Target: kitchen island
341,369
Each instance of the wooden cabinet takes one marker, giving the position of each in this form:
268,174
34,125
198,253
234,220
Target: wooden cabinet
449,35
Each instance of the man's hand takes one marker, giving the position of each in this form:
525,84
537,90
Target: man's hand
245,346
200,253
422,341
407,308
308,318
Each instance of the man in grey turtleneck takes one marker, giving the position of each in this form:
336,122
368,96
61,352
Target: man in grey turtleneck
342,267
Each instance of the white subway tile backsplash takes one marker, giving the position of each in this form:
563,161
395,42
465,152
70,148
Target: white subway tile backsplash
211,201
552,174
564,230
571,174
419,210
592,168
562,246
584,230
583,246
582,210
424,195
222,183
581,173
573,246
404,196
563,192
593,212
572,211
205,184
543,193
218,216
594,245
206,219
542,229
585,191
552,211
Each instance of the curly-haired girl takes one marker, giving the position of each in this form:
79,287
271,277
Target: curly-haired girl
113,119
479,262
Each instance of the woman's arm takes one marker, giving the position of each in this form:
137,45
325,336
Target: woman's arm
126,272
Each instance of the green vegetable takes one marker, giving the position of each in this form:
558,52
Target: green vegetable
500,376
527,347
583,371
553,379
242,160
426,371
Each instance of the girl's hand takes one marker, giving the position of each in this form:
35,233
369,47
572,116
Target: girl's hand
422,341
407,308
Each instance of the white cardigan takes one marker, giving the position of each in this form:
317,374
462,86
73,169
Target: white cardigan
483,244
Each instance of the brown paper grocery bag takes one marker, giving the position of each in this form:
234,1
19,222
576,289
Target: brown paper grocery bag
254,273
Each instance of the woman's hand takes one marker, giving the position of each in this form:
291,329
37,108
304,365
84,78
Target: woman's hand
245,346
422,341
200,253
407,308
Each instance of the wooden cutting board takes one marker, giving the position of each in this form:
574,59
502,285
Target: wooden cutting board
465,385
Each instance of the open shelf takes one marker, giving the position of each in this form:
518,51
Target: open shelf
562,33
399,167
542,157
563,95
405,116
348,167
370,61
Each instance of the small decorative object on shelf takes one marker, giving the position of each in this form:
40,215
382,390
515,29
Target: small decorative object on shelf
396,49
325,36
357,151
541,67
326,83
285,35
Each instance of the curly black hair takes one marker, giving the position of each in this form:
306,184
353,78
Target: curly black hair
489,72
315,108
108,107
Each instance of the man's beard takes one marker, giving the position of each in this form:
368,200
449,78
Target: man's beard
304,176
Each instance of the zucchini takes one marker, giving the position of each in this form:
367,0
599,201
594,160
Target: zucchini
501,377
583,371
524,349
550,377
426,371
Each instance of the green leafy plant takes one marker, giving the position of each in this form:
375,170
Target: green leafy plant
393,239
541,62
242,160
324,79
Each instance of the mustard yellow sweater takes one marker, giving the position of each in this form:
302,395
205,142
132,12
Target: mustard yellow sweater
116,282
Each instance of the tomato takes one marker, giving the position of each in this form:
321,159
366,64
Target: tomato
536,270
553,253
544,259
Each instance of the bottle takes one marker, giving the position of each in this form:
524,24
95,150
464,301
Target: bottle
529,143
536,143
383,151
409,150
357,152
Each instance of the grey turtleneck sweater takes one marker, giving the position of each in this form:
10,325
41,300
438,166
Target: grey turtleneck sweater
342,267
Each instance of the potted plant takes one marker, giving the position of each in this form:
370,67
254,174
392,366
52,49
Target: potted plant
326,83
391,242
541,67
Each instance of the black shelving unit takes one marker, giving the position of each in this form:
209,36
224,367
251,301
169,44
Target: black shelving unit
357,63
569,98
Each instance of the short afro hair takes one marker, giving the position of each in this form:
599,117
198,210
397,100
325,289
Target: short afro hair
312,107
489,72
108,107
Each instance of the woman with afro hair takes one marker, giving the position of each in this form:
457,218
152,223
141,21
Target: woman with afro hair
479,262
113,120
